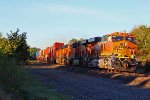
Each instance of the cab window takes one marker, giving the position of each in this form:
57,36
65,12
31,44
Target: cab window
117,38
131,39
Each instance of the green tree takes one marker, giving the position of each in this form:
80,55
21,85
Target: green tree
72,41
142,34
11,74
81,39
1,35
17,46
75,40
3,43
32,51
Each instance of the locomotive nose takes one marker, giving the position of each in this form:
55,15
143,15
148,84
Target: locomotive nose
125,44
121,44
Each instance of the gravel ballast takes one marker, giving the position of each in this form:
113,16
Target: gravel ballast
81,84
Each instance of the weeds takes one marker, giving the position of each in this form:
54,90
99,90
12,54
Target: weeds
10,75
19,82
33,89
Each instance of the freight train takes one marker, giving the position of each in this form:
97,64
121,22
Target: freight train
113,51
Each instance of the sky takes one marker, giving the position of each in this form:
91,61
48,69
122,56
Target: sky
49,21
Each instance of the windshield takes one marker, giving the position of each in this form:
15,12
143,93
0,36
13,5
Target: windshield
131,39
117,38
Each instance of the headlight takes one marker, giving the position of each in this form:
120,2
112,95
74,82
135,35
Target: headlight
132,56
125,44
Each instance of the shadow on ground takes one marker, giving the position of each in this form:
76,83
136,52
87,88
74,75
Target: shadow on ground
130,79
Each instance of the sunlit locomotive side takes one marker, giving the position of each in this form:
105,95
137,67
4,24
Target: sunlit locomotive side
81,53
64,54
118,51
113,51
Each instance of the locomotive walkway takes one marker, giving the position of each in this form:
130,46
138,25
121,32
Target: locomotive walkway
78,84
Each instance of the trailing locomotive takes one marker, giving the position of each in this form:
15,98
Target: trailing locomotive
113,51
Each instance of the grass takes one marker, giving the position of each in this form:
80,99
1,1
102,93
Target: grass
33,89
18,82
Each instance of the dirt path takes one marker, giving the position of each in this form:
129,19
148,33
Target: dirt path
80,85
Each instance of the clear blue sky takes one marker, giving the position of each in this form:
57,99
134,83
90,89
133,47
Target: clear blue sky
47,21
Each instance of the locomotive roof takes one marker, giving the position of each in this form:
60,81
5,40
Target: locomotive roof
121,33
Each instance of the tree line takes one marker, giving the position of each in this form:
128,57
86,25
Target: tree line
15,45
14,53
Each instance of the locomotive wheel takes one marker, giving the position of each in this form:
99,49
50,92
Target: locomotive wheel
125,64
118,63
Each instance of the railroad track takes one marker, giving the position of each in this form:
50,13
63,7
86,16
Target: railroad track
127,73
98,70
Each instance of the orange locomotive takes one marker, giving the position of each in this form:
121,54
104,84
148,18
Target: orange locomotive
78,53
113,51
118,51
63,54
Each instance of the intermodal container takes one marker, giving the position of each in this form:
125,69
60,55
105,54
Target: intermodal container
57,45
36,54
47,51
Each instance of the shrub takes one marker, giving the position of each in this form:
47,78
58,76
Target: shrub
144,58
10,75
147,66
